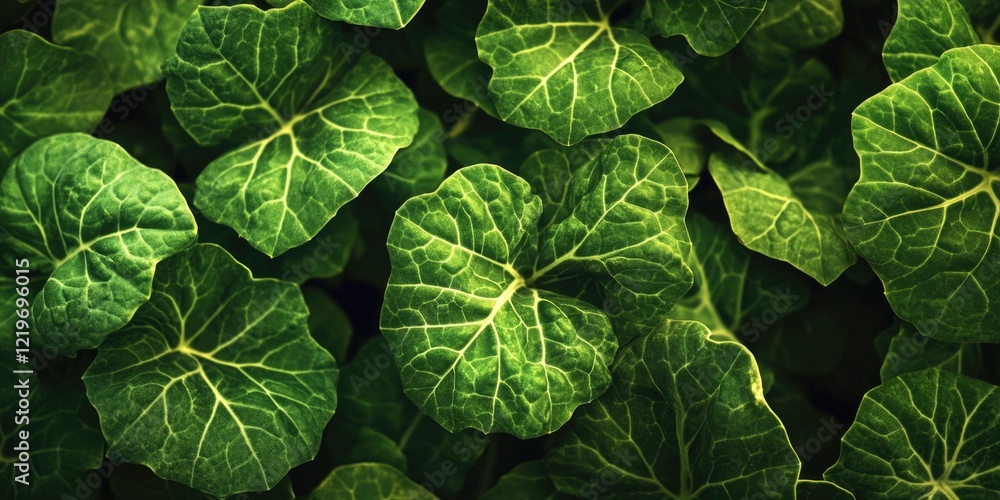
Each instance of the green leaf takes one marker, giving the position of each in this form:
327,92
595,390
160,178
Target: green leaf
736,293
315,126
685,418
97,222
377,423
569,74
475,345
528,480
216,382
61,446
985,15
923,31
368,481
925,434
418,168
451,55
924,212
788,27
910,351
381,13
681,136
769,215
614,211
821,490
45,90
711,27
132,38
328,323
479,310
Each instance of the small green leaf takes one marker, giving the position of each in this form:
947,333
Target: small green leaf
61,447
924,212
451,54
392,14
216,382
315,126
924,434
924,30
133,38
910,351
569,74
97,222
136,481
769,216
711,27
44,90
418,168
529,480
788,27
368,481
685,418
328,323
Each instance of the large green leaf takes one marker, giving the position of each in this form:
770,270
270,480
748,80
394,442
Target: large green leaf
480,308
61,445
924,30
475,346
381,13
711,27
316,126
925,434
45,90
368,481
569,72
216,382
133,38
377,423
924,212
685,418
96,221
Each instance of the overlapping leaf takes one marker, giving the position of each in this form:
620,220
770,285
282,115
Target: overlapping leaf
377,423
45,90
418,168
474,314
96,221
685,418
451,55
924,434
368,481
316,126
788,27
910,351
925,29
381,13
711,27
133,38
216,382
568,71
527,480
736,293
924,213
